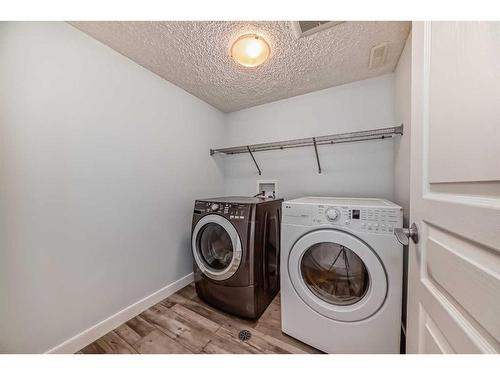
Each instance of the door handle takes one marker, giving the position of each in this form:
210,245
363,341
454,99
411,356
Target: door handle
403,235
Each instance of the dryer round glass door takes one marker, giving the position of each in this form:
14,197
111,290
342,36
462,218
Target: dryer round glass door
337,275
216,247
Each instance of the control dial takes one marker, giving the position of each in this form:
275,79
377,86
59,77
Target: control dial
332,214
214,207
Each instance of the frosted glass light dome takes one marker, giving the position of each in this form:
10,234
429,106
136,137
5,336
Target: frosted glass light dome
250,50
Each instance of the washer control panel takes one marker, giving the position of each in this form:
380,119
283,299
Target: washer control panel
232,211
381,220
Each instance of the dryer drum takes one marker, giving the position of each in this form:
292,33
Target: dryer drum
215,246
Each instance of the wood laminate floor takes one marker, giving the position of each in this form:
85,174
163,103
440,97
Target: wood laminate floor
183,323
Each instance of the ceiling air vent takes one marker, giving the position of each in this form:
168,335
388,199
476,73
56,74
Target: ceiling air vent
378,55
306,28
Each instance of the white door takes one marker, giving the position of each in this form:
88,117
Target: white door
454,270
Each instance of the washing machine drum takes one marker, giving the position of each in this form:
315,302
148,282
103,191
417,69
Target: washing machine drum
216,247
337,275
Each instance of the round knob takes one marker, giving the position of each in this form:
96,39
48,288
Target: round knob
214,207
331,214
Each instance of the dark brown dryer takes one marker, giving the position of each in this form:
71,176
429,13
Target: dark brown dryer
235,243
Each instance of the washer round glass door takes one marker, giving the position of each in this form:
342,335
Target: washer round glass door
337,275
216,247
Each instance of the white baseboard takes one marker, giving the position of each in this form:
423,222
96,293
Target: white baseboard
91,334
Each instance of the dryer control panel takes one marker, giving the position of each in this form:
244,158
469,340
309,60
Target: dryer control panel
381,220
232,211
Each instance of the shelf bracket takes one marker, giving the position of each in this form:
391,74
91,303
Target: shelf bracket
317,156
257,165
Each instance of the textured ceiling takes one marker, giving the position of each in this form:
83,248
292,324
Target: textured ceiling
196,56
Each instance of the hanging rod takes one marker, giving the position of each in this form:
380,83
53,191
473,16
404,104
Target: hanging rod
364,135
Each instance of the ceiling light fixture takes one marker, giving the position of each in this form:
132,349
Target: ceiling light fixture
250,50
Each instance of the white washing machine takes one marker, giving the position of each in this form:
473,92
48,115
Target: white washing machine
342,274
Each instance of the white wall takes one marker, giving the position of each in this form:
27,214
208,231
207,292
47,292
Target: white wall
402,144
100,161
356,169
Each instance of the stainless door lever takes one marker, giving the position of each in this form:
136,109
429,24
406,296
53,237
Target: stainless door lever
403,235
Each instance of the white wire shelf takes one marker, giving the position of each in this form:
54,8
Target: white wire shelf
359,136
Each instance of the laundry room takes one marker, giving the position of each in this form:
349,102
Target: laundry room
192,185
